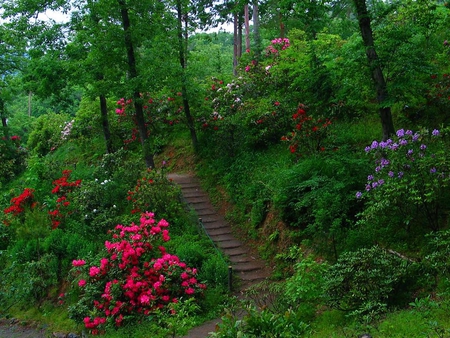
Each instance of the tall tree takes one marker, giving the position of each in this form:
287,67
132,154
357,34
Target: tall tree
134,77
11,60
182,34
375,67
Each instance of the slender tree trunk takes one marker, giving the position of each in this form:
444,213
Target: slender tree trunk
5,124
239,36
30,94
247,28
376,71
183,63
133,74
105,124
282,27
256,34
235,43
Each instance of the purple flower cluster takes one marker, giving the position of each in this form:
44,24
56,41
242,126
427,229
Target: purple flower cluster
405,139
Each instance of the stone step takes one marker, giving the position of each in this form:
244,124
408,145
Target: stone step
241,258
229,244
191,190
216,225
197,200
246,266
251,276
221,238
202,206
193,193
211,218
232,252
219,231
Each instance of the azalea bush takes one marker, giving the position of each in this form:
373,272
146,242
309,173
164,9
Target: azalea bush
310,134
43,139
136,277
27,227
407,192
251,110
160,113
154,191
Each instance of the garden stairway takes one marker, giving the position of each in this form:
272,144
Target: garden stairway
247,269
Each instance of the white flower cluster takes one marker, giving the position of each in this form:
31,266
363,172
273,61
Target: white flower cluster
67,129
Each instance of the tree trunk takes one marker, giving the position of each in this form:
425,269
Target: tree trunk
5,125
256,34
235,43
183,64
133,74
247,28
376,71
105,124
239,36
282,27
30,94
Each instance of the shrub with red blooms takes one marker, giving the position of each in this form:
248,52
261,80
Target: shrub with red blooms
137,277
19,203
309,134
62,187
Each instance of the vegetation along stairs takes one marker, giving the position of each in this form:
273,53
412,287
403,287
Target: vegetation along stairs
247,269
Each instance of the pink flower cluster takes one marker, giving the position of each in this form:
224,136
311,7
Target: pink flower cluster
277,45
138,277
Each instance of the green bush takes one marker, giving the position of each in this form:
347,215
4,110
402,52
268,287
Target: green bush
12,159
365,283
156,193
261,323
306,284
46,133
316,196
214,271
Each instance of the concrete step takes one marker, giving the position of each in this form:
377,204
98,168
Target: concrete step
246,266
221,238
219,231
211,218
197,199
232,252
229,244
216,225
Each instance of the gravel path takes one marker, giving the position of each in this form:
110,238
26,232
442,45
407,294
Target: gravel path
10,329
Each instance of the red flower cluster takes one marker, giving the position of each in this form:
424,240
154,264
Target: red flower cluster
19,203
138,277
308,132
134,195
62,187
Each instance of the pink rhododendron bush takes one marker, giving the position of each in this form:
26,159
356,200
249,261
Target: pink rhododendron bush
136,277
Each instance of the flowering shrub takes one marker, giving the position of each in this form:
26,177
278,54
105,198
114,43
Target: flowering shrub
309,134
156,192
62,187
277,45
135,278
243,115
165,111
66,129
19,203
43,139
409,185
